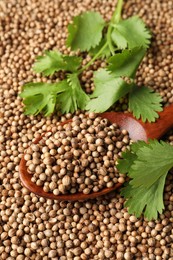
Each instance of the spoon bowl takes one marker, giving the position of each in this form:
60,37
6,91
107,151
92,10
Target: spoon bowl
137,129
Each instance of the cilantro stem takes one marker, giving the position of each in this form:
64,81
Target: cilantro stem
109,40
117,14
93,59
115,19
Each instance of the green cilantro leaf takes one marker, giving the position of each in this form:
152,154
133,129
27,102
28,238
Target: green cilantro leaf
118,39
147,166
148,201
134,147
72,63
145,103
66,95
41,97
126,63
108,90
49,63
131,33
74,97
154,154
86,31
53,61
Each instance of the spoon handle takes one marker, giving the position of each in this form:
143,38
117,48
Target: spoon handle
162,125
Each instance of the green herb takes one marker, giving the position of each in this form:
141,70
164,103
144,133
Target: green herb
130,33
86,31
41,97
144,103
108,90
45,96
112,41
147,166
79,98
126,63
54,61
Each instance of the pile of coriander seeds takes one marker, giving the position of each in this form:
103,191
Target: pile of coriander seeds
80,157
34,228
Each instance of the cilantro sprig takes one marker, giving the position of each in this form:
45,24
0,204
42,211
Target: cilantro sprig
147,166
122,43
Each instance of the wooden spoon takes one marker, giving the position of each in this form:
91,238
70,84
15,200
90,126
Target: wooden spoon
137,131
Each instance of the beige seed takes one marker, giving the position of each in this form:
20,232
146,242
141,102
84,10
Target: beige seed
66,181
